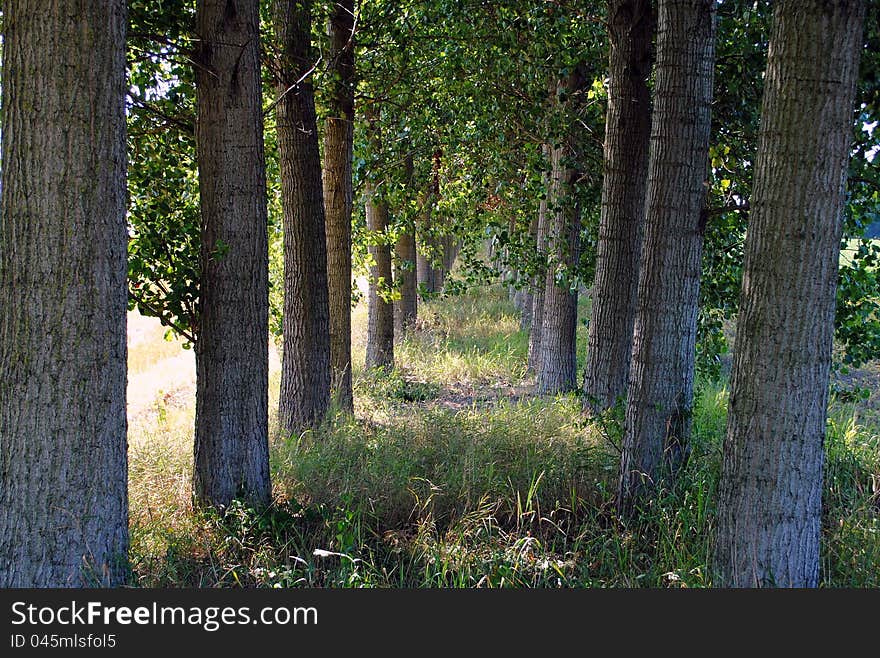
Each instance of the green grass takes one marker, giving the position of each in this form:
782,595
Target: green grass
443,479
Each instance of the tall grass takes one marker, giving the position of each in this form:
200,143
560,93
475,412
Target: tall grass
452,474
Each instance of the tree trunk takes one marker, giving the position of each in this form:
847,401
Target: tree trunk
450,252
557,368
338,141
231,446
661,385
627,130
405,309
525,314
380,317
770,503
305,370
425,273
539,281
426,252
528,295
63,471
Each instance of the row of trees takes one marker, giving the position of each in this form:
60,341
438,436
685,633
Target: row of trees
452,122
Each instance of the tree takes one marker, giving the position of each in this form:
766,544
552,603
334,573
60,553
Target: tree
338,195
770,502
406,308
231,430
557,365
661,381
429,273
627,130
63,470
380,319
305,371
539,279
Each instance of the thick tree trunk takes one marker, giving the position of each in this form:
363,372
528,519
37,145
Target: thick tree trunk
305,370
63,475
770,504
557,367
405,308
661,382
338,136
627,130
380,314
231,433
539,281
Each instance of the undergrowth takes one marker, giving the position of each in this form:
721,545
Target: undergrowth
450,475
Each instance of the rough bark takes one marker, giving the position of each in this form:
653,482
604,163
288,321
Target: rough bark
770,503
539,280
621,225
305,369
338,200
63,475
661,382
557,366
380,314
231,432
405,308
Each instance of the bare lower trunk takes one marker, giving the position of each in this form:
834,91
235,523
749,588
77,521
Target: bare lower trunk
380,318
405,308
63,476
426,251
305,370
627,129
770,503
338,200
539,281
557,368
525,311
661,384
231,433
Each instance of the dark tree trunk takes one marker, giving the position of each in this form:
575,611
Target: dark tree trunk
557,367
627,130
661,382
380,318
305,371
405,309
63,475
770,504
338,136
231,433
539,281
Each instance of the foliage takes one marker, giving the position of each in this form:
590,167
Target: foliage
163,212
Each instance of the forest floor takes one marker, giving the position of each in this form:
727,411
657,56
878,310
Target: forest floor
452,473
